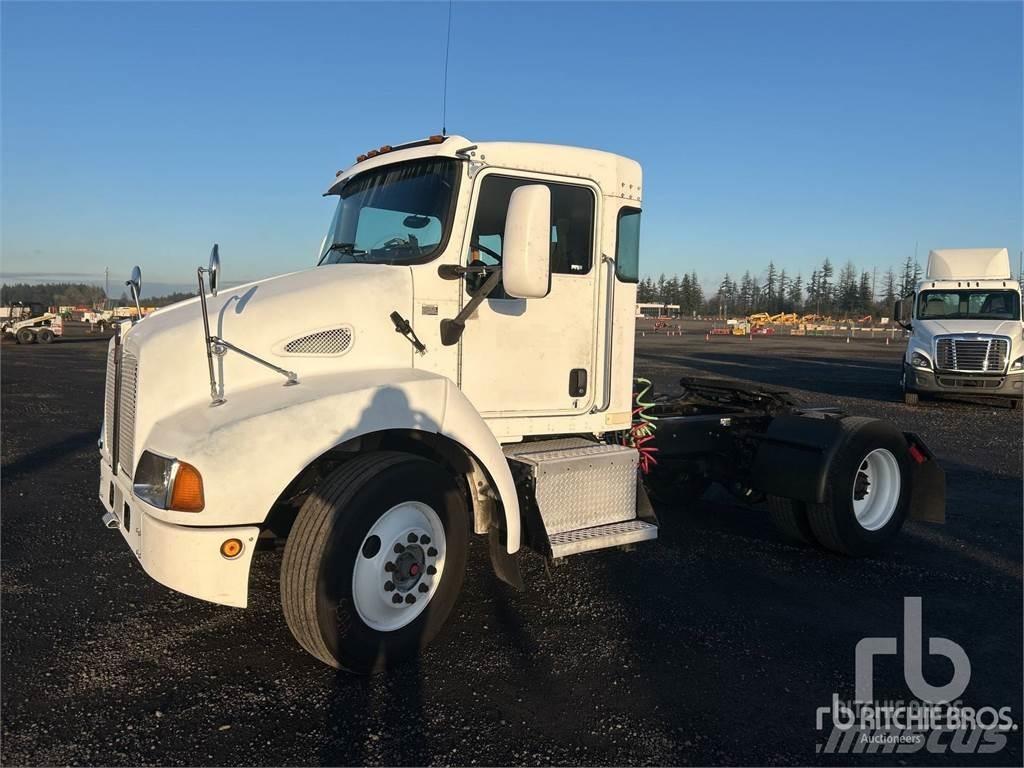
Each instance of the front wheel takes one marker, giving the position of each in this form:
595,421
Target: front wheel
25,336
909,396
375,561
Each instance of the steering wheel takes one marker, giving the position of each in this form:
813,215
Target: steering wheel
476,245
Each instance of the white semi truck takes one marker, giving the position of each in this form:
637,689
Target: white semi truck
462,365
964,318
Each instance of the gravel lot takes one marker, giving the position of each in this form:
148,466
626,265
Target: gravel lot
714,645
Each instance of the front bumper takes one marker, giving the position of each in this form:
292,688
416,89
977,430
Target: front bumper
183,557
987,384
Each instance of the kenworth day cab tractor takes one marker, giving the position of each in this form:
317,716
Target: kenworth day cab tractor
463,364
964,318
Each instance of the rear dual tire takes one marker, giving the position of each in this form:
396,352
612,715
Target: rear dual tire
867,494
382,525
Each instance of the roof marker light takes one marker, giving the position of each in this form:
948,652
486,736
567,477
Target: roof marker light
372,153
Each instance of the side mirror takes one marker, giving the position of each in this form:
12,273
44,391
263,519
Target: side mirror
214,269
135,282
902,311
897,311
526,252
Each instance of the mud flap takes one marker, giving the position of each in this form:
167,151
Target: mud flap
506,566
927,483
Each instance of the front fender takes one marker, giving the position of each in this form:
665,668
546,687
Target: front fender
249,449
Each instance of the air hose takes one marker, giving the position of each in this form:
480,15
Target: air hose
641,432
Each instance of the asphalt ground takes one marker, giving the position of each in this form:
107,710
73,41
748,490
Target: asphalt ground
714,645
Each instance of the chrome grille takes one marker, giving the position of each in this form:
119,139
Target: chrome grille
982,355
126,436
108,399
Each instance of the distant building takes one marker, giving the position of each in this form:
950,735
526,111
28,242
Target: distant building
657,310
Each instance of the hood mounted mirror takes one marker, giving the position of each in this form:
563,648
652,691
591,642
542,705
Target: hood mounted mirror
134,283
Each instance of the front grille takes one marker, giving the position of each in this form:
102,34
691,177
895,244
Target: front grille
108,399
126,436
985,383
983,355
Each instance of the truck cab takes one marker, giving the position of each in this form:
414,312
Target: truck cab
459,361
965,327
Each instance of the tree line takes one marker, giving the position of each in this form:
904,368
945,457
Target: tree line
824,292
75,295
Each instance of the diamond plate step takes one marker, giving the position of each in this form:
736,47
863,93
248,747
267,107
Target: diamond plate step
601,537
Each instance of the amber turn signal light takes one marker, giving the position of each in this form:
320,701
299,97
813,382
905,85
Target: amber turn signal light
187,493
231,548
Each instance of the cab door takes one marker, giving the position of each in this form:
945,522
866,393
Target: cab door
524,357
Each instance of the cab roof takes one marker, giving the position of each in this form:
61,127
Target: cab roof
615,175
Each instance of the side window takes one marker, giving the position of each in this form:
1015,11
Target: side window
627,246
572,225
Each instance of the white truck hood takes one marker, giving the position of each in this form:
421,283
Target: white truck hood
337,318
931,328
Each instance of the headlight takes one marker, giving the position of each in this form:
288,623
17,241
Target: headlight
168,483
920,361
1017,364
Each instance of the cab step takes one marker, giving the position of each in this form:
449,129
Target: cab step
577,495
601,537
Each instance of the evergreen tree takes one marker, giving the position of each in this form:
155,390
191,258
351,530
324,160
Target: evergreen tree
795,296
889,289
771,285
866,297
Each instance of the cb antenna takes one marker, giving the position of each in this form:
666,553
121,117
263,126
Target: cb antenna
444,89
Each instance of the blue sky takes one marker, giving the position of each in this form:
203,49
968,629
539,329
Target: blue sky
144,132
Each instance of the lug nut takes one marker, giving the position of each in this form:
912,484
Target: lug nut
389,566
389,586
431,570
425,540
410,599
413,538
396,599
423,588
399,549
432,552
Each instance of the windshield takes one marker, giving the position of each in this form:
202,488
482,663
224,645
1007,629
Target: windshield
395,214
968,305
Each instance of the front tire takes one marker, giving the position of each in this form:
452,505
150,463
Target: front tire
375,561
909,396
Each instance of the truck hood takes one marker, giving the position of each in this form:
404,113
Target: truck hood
931,328
328,319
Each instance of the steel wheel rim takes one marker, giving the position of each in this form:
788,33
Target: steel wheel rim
402,554
876,489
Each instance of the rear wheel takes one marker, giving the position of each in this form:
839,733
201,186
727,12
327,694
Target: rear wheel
790,517
25,336
867,490
375,561
45,336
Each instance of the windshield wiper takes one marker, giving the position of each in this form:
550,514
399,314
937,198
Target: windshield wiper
346,249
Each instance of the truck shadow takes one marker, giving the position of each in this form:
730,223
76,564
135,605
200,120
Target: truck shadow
51,454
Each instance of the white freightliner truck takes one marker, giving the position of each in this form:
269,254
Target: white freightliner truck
462,364
967,337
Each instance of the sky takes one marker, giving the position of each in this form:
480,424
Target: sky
141,133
